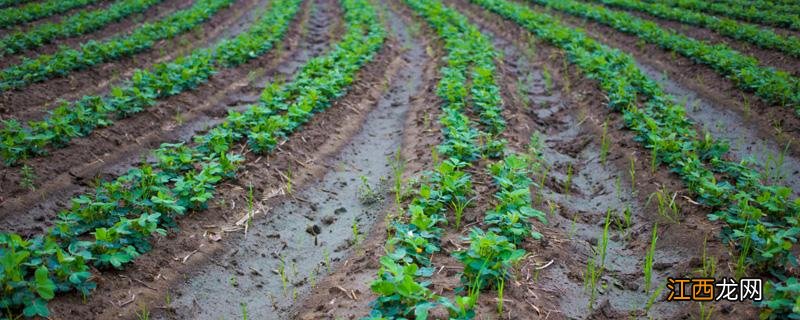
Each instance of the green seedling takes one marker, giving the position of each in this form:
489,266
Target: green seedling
652,299
282,274
568,181
367,194
288,177
356,233
27,178
666,205
604,143
649,259
143,313
573,228
244,310
179,118
458,206
625,221
233,281
326,257
548,80
500,288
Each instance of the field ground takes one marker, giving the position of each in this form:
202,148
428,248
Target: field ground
358,111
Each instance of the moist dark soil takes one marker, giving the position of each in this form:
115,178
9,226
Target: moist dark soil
33,101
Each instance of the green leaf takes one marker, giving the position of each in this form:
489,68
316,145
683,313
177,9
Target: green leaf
37,307
44,286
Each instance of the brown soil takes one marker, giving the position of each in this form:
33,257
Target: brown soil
33,101
123,26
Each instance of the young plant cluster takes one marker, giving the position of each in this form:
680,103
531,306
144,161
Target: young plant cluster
143,89
10,17
74,25
742,12
112,226
776,87
93,52
761,220
762,37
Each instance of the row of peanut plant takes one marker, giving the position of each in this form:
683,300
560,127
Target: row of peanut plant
10,17
759,36
114,224
77,24
774,86
467,80
142,90
760,220
766,17
93,52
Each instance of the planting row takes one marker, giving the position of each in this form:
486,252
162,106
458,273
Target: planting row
761,220
777,87
467,80
10,17
142,90
113,225
762,37
74,25
94,52
750,14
